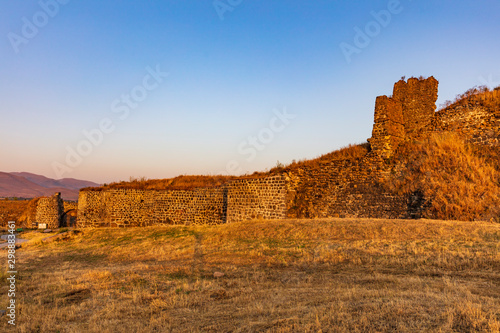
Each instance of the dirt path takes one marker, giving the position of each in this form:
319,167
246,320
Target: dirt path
18,240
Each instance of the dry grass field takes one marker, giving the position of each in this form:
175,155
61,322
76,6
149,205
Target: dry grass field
11,210
324,275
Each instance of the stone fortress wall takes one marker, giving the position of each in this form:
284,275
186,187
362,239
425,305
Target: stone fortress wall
342,188
125,208
473,120
260,198
52,211
349,187
410,114
70,205
239,200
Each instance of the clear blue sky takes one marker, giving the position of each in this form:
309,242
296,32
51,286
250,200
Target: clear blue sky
232,65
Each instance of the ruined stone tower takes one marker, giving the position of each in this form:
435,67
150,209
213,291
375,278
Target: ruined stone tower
404,115
49,211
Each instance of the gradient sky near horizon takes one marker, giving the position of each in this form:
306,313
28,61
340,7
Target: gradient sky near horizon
226,80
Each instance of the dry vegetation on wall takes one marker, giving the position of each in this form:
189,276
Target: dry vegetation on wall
458,181
489,153
461,183
186,182
177,183
350,152
481,95
324,275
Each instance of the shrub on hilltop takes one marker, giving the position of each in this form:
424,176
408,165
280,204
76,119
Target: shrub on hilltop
490,99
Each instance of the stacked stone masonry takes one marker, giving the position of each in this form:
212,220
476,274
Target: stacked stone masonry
389,129
239,200
52,211
68,219
404,115
473,121
263,198
418,100
70,205
124,208
49,211
336,188
342,188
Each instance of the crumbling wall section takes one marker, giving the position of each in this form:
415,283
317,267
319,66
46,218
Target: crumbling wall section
418,100
405,115
343,188
348,187
388,129
474,121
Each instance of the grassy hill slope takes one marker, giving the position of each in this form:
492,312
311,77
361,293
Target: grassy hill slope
342,275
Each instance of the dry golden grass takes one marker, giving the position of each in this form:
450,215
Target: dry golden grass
11,210
490,99
325,275
350,152
177,183
191,182
463,182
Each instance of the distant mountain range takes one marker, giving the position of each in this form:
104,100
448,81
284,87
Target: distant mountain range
29,185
